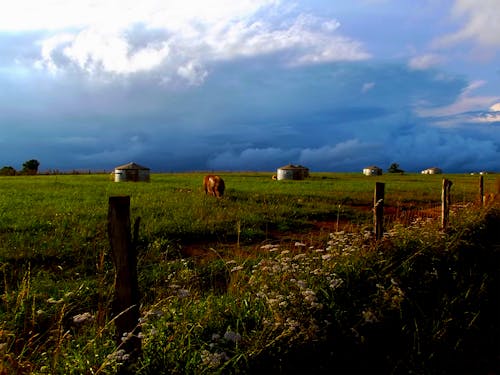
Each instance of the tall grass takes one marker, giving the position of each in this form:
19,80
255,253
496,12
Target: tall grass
418,302
252,301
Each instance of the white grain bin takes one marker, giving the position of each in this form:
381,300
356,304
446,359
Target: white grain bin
372,170
132,172
292,172
433,170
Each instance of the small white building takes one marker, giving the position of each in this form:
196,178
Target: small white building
433,170
292,172
372,170
132,172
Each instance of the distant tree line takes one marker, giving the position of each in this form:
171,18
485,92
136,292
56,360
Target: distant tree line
30,167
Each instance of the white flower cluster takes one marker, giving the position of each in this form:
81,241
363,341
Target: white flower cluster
180,292
345,243
118,356
83,318
213,360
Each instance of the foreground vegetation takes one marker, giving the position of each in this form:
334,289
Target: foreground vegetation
264,293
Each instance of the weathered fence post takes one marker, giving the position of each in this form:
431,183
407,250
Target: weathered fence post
378,209
445,202
125,307
481,191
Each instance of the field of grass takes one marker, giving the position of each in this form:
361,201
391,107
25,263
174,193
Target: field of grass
264,285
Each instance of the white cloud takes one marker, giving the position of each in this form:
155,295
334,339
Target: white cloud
424,62
488,117
495,107
466,102
481,23
306,42
102,36
92,49
192,72
25,15
367,87
48,46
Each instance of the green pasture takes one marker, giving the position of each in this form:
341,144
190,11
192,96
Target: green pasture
65,215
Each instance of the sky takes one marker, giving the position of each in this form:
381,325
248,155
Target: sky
250,85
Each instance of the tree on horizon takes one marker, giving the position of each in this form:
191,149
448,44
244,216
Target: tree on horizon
394,168
31,166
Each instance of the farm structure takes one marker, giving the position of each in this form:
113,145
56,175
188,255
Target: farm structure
433,170
292,172
131,172
372,170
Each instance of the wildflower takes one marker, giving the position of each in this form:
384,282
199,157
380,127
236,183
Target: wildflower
149,314
327,256
119,356
261,295
232,336
215,336
53,300
182,293
126,336
317,272
83,318
272,301
213,360
302,284
309,296
316,305
266,247
292,324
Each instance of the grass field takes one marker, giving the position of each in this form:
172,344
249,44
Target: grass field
55,265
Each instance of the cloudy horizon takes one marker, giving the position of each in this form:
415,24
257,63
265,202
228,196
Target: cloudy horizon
334,85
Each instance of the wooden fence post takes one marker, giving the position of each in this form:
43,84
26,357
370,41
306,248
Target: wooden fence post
125,307
445,203
481,191
378,210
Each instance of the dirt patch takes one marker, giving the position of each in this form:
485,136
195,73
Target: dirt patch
316,234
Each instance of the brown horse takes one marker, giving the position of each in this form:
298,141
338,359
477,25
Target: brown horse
213,185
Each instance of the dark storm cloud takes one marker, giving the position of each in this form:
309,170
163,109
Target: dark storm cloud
253,87
245,116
